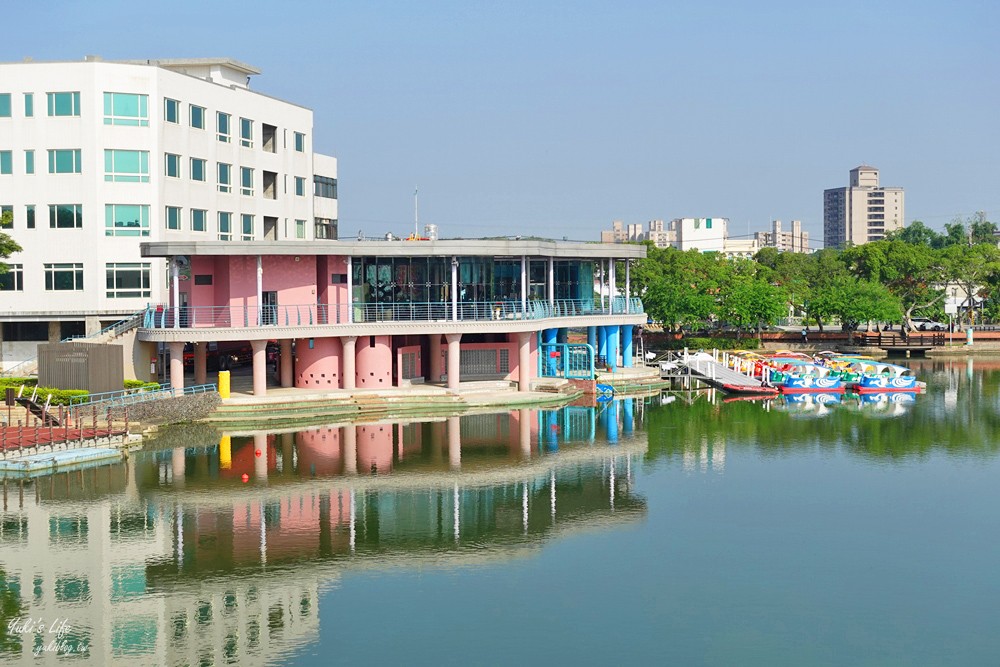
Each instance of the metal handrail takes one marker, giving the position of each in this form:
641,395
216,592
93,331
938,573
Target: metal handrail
241,316
113,399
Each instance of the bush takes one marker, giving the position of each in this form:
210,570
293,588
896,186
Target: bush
59,396
140,385
699,343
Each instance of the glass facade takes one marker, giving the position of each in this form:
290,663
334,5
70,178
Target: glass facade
63,104
126,109
126,220
126,166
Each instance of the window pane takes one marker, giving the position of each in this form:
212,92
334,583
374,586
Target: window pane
29,105
171,110
4,105
6,162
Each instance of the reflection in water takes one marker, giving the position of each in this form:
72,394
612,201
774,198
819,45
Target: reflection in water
216,552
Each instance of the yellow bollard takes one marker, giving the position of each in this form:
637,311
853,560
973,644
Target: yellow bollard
225,453
224,384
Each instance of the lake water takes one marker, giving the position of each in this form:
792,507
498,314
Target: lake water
675,529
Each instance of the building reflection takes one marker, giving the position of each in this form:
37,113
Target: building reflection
216,553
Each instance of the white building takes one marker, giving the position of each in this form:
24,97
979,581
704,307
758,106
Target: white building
861,212
794,241
96,157
704,234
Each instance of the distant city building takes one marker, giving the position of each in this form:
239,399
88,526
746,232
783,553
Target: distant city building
705,234
622,233
861,212
793,241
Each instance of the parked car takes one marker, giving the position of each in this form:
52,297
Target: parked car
927,324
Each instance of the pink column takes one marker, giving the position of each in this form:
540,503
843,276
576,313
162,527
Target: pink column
435,357
286,362
524,433
318,363
454,359
373,362
200,363
177,367
177,467
259,367
350,350
524,361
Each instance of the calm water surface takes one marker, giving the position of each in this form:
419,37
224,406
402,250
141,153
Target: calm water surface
676,529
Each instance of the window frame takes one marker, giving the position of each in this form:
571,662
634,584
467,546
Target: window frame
225,231
203,163
246,181
125,120
224,127
167,216
191,116
112,159
112,228
176,161
169,102
14,277
56,217
53,271
115,270
246,231
204,219
227,184
246,132
53,100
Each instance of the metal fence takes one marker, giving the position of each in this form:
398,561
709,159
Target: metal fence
566,360
223,317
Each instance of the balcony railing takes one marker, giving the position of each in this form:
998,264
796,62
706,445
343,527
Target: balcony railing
236,317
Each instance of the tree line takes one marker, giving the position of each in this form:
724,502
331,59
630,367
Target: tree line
909,273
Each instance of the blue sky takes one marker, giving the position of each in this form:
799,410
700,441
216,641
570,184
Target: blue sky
555,118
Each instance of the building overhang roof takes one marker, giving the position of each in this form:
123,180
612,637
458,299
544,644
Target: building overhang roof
439,248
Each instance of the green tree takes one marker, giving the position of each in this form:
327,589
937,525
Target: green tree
916,233
8,246
974,269
749,300
913,273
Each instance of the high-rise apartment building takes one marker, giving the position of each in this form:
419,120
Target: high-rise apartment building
861,212
97,157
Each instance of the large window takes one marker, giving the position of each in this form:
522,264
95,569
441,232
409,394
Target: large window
6,162
126,109
172,218
246,227
29,214
197,115
173,165
6,216
325,228
29,105
63,104
246,181
223,126
324,186
300,186
246,133
171,110
29,162
4,105
126,166
126,220
128,281
225,177
225,226
198,169
300,142
65,216
65,161
198,220
300,229
13,280
64,277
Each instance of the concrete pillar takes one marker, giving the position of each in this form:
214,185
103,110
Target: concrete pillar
454,443
627,354
454,360
612,285
628,284
524,284
260,292
176,366
348,343
285,362
611,422
259,367
350,290
602,342
260,456
175,282
524,361
552,282
592,337
287,445
350,449
91,325
454,288
435,357
200,363
55,331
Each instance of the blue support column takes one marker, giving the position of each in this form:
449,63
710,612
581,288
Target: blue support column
611,422
592,337
602,342
626,345
612,346
562,335
552,430
627,418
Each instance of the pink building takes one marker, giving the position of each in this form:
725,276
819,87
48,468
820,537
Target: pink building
380,314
